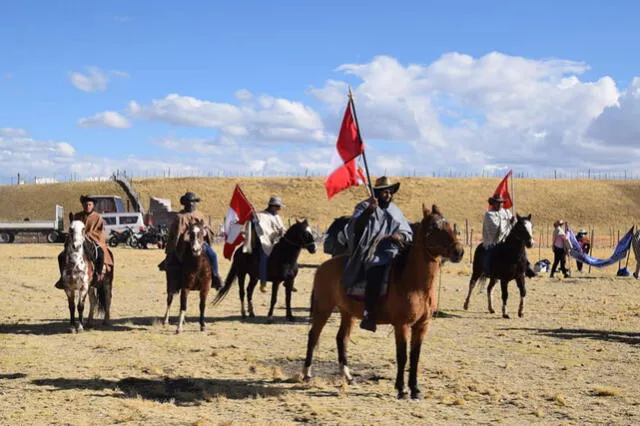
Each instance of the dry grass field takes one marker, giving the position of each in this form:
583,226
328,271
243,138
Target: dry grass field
584,203
573,359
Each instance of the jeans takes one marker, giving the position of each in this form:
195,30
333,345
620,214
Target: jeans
263,262
213,257
559,256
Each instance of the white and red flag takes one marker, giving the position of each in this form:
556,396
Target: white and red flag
503,190
345,172
239,213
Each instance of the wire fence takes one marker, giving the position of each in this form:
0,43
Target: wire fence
588,173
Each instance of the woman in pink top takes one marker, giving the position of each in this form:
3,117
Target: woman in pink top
559,252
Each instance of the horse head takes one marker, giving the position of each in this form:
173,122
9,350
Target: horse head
438,236
76,234
300,234
197,232
523,230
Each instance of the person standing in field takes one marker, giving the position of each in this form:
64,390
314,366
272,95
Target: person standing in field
585,245
560,242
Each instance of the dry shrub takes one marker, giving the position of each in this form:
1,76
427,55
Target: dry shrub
606,391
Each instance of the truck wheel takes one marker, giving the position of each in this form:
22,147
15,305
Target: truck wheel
5,238
52,237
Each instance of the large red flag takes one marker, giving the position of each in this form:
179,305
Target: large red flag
503,190
240,211
349,146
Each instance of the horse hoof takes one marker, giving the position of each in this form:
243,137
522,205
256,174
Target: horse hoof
492,311
252,315
80,329
505,316
350,381
466,306
106,323
178,331
244,316
307,379
72,330
291,318
521,314
416,395
403,395
202,328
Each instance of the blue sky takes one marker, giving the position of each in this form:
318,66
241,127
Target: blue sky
284,49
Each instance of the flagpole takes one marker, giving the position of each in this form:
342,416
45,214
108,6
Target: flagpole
364,157
513,195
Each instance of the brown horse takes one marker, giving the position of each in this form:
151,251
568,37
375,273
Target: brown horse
195,275
409,305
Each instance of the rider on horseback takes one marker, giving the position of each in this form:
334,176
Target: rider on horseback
496,226
94,232
178,231
377,232
269,229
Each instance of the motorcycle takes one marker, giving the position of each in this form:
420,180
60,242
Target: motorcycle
124,237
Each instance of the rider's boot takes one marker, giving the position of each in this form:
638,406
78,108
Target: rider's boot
61,259
375,278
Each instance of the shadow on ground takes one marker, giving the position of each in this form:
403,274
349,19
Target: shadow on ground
51,327
184,391
628,337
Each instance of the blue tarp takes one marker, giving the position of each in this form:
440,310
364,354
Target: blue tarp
618,254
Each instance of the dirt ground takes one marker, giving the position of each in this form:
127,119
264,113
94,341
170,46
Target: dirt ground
573,359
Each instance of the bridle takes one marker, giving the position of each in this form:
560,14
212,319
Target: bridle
439,226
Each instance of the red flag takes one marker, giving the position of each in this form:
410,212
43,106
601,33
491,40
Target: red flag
503,191
240,211
345,172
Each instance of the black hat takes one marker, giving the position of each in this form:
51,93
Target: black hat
497,198
86,199
189,197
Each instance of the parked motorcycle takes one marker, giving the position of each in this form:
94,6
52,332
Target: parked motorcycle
124,237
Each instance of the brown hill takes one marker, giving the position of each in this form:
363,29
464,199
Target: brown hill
602,204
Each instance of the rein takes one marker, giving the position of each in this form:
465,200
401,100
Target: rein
297,245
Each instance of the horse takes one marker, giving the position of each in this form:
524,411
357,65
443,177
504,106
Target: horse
282,267
508,262
409,305
195,274
77,276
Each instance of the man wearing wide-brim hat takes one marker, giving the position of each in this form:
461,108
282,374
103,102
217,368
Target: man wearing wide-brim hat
269,230
94,232
187,216
378,224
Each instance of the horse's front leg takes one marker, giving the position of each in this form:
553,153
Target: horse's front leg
472,284
250,288
242,295
93,302
401,332
504,288
183,309
203,304
492,284
288,289
108,288
520,281
72,308
274,297
342,338
81,299
166,313
417,336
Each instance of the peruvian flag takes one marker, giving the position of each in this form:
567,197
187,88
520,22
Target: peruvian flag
503,190
346,172
240,211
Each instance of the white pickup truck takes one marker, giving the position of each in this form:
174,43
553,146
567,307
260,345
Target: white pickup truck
51,230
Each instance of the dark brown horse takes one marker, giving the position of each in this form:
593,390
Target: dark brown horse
195,274
282,267
409,304
508,262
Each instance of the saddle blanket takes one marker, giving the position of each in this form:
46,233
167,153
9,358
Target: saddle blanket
357,290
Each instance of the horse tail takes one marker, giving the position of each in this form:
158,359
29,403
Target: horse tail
102,299
228,282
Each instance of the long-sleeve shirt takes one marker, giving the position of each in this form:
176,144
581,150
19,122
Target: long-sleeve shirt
559,238
496,226
269,229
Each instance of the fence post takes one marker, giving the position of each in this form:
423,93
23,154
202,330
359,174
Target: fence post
471,247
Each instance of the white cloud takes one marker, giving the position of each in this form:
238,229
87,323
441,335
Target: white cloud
121,74
243,95
266,120
110,119
93,81
12,133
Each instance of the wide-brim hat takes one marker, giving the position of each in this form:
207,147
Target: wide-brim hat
496,198
86,199
275,201
189,197
383,183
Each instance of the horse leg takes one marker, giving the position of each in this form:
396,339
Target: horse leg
166,314
81,299
252,286
318,320
274,297
523,292
472,284
504,287
183,309
417,336
72,308
242,295
108,288
288,286
401,332
492,283
203,303
342,338
93,302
